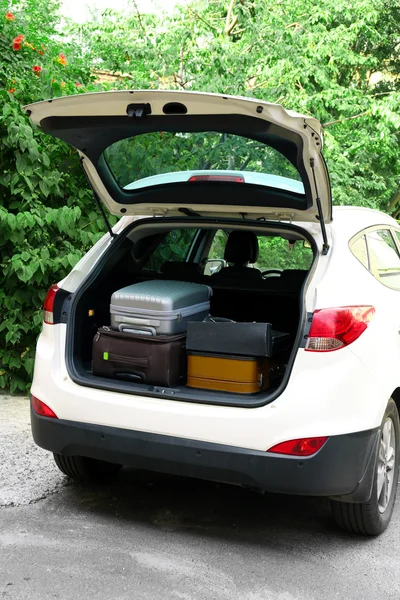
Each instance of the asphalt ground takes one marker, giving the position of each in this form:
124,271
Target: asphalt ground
147,536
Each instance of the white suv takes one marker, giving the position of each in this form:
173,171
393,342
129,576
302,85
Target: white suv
185,170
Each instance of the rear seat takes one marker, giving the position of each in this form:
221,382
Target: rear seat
291,279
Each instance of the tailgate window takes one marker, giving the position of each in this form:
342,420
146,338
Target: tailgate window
152,155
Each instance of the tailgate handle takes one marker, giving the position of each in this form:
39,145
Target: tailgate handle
138,111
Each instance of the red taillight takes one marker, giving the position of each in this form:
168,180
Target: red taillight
49,305
334,328
42,409
302,447
227,178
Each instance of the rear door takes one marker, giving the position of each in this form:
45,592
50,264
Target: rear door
167,153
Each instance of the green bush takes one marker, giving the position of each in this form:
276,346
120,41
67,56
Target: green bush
47,216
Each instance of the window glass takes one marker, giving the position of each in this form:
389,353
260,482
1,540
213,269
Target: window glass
215,261
359,249
157,154
384,258
217,249
278,253
175,246
275,252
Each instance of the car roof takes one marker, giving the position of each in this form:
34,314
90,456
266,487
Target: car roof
349,220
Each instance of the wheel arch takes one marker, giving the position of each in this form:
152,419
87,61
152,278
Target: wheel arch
396,398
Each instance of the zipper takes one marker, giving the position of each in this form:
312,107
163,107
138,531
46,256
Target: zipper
168,315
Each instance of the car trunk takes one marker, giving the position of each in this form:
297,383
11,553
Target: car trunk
276,300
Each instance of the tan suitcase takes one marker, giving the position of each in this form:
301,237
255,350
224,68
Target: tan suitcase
238,374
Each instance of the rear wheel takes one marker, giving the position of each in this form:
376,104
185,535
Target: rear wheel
372,517
83,468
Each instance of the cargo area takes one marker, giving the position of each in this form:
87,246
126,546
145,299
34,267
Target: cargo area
255,274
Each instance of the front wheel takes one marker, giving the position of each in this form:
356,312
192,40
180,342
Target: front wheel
82,468
372,517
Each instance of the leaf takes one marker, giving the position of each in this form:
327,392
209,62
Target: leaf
44,254
45,159
44,187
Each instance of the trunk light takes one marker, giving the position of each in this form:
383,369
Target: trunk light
301,447
227,178
42,409
335,328
49,305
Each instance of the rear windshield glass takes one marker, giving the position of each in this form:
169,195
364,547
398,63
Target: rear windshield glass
153,155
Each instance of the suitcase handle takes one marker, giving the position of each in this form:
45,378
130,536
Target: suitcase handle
126,328
137,377
145,323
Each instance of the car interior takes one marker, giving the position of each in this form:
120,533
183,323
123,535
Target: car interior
259,277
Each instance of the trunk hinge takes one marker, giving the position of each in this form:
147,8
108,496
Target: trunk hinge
99,204
325,245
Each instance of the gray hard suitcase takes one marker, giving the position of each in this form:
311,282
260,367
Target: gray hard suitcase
159,307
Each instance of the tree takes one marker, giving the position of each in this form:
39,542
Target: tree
332,59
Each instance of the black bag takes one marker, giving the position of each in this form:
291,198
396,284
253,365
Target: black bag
222,336
153,359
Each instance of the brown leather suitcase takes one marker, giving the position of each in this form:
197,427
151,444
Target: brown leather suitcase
152,359
223,373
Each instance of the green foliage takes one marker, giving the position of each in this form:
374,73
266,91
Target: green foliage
47,217
163,152
174,247
335,60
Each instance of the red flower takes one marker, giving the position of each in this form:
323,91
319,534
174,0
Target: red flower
78,84
40,52
62,59
19,38
16,46
12,90
36,68
10,16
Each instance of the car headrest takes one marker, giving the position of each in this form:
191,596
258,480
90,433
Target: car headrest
241,248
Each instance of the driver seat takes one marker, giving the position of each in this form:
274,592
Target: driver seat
240,250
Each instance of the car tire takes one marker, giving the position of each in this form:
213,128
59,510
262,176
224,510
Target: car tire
372,517
82,468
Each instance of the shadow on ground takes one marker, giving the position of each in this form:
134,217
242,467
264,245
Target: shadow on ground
179,504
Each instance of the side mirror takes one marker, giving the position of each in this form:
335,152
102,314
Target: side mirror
213,265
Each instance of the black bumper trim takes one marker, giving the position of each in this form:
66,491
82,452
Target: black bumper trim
343,468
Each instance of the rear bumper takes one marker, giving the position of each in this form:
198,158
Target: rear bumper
343,468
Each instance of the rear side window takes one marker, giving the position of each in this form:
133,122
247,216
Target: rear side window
360,251
175,246
384,257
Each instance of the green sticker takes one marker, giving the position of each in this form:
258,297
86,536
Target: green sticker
105,355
